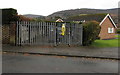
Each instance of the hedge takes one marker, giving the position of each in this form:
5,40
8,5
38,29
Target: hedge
91,31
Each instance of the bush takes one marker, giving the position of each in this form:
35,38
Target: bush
9,15
91,31
118,31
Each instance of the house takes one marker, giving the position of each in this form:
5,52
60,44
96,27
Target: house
108,27
59,20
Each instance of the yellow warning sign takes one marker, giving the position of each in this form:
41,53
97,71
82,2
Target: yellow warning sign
63,29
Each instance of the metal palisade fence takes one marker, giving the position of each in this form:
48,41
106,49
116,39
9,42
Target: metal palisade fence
48,33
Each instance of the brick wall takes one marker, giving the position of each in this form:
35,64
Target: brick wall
104,30
8,33
5,34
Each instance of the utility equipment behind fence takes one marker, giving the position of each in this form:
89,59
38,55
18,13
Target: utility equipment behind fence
48,33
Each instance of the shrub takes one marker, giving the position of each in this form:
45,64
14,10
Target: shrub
91,31
118,31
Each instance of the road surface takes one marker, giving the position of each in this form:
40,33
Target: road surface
26,63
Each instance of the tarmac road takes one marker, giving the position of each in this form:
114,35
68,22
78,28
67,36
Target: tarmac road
25,63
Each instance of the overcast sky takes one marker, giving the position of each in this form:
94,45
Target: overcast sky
46,7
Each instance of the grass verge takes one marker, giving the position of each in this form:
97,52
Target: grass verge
107,43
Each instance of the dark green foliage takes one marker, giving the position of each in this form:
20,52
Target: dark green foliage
118,31
9,15
91,31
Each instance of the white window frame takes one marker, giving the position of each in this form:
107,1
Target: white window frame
110,30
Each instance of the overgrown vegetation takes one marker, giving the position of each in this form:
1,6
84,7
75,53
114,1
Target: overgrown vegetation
91,31
9,15
23,18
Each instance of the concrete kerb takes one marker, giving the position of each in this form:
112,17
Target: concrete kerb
57,54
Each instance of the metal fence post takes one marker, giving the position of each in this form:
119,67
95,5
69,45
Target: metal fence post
81,34
69,34
55,36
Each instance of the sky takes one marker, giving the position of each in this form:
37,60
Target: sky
47,7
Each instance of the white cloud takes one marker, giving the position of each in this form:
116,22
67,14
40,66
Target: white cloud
46,7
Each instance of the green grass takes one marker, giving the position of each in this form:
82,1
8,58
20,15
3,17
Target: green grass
107,43
117,36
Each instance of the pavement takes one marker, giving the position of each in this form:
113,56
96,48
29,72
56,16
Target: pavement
73,51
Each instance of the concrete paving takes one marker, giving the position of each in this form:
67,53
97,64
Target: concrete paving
65,50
